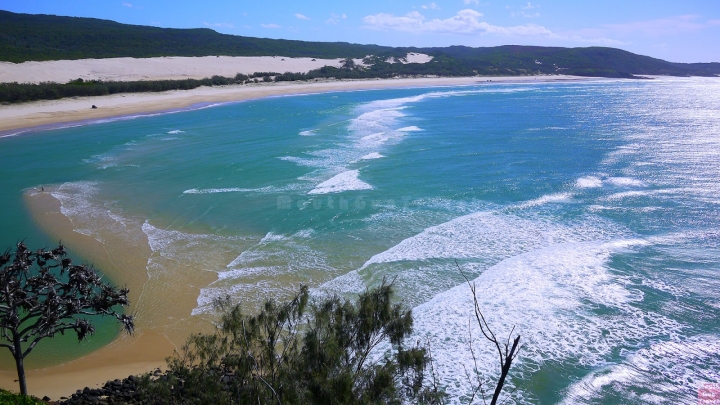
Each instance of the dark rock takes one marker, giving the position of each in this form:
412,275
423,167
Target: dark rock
46,398
94,106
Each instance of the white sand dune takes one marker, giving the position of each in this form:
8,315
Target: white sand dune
174,67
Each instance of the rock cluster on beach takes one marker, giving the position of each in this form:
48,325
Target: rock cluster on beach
123,391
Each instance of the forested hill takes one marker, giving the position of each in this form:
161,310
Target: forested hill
26,37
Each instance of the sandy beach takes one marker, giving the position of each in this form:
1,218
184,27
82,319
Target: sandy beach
124,261
16,117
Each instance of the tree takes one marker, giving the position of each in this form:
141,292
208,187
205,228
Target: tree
300,352
506,352
42,294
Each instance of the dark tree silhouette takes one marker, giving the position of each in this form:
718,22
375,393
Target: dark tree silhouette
301,351
42,294
506,351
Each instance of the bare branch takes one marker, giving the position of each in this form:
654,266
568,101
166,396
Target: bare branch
507,355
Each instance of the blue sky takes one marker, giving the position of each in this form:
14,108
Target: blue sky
675,30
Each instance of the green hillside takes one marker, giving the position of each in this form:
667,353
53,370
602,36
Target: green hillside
29,37
25,37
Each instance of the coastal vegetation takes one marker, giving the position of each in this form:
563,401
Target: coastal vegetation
21,92
28,37
326,350
8,398
42,294
302,351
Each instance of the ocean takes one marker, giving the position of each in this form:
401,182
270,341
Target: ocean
586,213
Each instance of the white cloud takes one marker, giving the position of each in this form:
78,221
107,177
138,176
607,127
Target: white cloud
335,18
270,26
469,22
662,26
127,4
464,22
468,2
301,16
431,6
525,11
219,25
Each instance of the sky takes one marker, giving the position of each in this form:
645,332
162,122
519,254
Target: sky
674,30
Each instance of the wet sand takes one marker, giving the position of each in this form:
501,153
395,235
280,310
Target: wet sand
158,332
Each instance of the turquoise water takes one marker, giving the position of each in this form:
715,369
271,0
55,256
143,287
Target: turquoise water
586,213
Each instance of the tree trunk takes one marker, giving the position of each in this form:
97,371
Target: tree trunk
504,371
18,354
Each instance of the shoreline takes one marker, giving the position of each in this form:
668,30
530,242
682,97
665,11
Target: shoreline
124,261
157,334
16,119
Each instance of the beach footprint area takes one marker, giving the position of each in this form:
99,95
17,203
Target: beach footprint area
576,222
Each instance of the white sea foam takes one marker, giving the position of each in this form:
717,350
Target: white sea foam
468,236
547,294
215,190
411,128
675,370
345,181
377,138
373,155
190,248
625,182
304,233
589,182
483,238
377,125
303,161
595,182
273,237
275,264
534,273
627,194
176,131
376,120
259,190
550,198
307,133
178,256
90,215
103,160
